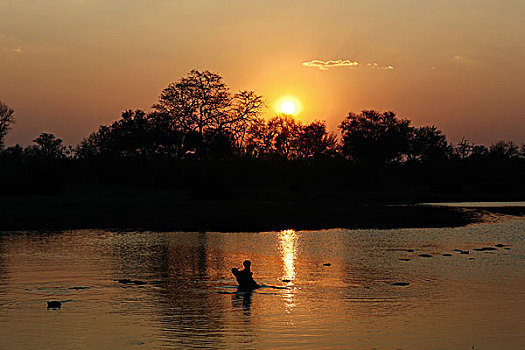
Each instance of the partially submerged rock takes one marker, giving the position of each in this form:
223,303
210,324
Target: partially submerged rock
400,284
425,255
54,304
485,249
130,281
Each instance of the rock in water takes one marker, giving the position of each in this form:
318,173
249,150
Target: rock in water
425,255
400,284
54,304
123,280
327,264
484,249
129,281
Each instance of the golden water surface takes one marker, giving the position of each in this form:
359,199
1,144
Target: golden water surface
463,301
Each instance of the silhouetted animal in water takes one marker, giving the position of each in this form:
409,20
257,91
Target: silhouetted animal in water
244,278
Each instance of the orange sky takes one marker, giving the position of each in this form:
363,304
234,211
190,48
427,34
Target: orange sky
67,66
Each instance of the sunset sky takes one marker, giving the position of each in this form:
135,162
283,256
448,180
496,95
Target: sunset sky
67,66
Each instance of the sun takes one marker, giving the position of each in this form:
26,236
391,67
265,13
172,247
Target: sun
288,107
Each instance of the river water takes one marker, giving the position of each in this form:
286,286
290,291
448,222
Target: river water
462,301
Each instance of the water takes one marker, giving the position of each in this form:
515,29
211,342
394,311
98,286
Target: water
189,300
479,204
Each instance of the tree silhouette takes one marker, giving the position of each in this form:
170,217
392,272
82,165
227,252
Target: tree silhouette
428,144
503,150
276,137
14,153
48,147
479,152
6,119
201,104
316,141
287,138
197,102
375,138
246,108
463,149
135,135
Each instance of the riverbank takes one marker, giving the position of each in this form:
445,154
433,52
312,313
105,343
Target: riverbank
136,209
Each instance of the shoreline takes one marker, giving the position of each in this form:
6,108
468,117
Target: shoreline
144,210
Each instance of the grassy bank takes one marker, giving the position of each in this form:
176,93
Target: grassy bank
147,209
246,195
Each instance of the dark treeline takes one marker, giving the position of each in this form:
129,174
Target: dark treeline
202,138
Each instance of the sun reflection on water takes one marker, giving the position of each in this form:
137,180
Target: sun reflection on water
288,248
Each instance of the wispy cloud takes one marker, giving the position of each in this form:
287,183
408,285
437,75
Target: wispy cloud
325,65
8,46
374,65
459,59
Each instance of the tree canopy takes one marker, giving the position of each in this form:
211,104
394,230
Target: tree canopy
373,137
7,118
198,118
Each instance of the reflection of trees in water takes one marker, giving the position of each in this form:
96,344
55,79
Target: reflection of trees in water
188,312
32,257
26,243
3,261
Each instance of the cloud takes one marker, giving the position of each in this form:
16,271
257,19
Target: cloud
8,46
459,59
377,66
325,65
